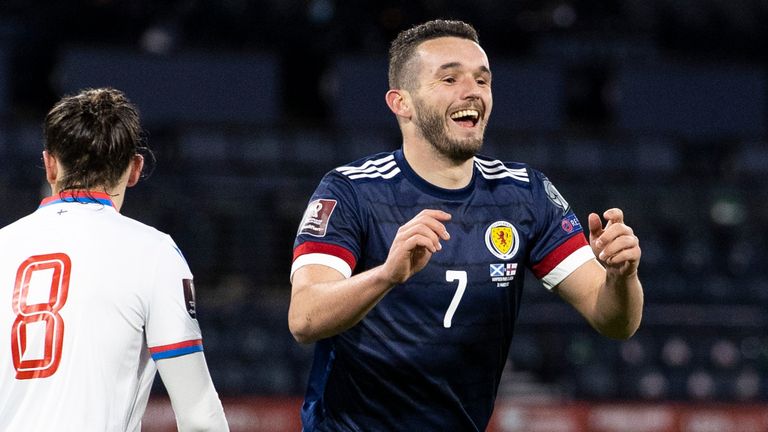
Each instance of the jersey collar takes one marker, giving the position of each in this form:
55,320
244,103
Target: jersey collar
79,196
429,188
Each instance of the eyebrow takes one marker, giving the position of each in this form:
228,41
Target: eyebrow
452,65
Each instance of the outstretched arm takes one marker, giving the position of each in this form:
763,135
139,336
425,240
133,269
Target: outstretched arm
194,399
324,303
609,296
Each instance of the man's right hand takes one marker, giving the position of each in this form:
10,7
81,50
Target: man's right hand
414,245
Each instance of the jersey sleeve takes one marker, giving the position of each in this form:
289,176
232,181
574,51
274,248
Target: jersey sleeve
194,399
171,328
329,232
561,246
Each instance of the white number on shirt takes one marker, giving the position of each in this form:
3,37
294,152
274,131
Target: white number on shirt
450,276
40,317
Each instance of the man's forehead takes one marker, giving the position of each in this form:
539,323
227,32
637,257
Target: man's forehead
452,52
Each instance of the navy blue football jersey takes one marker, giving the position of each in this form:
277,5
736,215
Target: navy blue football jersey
429,356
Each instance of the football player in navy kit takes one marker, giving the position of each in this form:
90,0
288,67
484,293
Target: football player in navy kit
408,265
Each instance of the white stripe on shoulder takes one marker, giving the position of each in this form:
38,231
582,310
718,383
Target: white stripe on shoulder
495,169
385,167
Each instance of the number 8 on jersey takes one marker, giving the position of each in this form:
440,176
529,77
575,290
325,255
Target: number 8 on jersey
28,316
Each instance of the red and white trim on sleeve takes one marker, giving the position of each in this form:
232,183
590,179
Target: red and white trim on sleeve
562,261
329,255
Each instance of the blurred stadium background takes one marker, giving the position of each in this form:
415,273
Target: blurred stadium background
656,106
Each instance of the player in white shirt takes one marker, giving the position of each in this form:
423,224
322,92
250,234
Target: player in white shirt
92,303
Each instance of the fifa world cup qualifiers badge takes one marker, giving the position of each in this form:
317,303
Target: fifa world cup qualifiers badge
315,221
189,297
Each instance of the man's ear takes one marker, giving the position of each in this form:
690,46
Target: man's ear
399,102
51,168
137,164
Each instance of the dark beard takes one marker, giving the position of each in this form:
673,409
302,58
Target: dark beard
433,128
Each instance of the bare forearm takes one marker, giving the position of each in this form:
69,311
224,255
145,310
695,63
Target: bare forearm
324,304
620,306
323,309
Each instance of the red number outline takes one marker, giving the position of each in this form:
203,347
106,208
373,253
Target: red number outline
47,312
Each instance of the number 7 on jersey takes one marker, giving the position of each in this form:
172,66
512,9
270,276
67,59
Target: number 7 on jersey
461,277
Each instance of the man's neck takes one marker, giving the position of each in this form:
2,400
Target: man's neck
437,169
116,195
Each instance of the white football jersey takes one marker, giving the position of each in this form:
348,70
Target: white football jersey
87,298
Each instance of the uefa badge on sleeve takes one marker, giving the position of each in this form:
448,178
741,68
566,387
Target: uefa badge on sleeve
189,297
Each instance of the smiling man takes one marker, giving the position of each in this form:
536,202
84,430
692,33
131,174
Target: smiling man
408,265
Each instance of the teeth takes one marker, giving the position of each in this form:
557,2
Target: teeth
466,113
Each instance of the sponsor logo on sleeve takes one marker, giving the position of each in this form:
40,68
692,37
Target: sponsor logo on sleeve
316,217
189,297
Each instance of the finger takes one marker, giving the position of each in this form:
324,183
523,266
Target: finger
624,256
619,245
595,225
431,224
437,214
418,241
432,219
420,231
614,215
613,232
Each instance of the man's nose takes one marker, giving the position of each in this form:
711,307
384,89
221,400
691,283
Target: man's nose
470,89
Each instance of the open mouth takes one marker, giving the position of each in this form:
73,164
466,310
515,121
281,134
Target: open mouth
466,117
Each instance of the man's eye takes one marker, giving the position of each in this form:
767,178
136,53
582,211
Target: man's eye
449,80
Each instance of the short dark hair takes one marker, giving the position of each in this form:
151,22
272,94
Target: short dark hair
94,135
402,48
